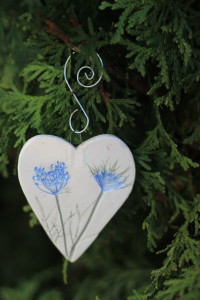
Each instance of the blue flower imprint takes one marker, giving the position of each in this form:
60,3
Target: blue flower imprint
107,177
53,181
109,181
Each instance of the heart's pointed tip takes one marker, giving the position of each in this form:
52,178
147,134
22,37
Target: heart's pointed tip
72,260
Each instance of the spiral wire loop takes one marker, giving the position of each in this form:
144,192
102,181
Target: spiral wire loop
83,85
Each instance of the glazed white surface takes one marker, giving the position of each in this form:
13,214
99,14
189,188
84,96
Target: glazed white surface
80,218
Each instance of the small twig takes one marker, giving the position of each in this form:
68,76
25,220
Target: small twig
73,20
54,30
104,94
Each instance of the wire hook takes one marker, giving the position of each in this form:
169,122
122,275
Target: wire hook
83,85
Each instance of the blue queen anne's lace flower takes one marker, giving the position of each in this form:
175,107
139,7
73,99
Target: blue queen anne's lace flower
53,181
109,180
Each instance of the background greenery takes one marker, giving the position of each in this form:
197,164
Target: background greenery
149,97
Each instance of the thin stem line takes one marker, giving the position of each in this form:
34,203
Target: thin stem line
44,217
86,224
70,230
79,220
62,224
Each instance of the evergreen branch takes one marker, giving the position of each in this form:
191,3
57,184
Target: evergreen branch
151,52
137,84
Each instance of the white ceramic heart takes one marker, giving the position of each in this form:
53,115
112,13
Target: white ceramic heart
74,192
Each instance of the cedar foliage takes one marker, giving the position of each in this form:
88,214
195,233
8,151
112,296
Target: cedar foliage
149,97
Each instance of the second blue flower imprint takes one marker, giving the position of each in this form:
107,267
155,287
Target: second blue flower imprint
109,181
108,178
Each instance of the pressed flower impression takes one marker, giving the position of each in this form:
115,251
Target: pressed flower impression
74,192
53,181
108,181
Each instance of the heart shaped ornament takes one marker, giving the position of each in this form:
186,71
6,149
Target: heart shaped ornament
74,192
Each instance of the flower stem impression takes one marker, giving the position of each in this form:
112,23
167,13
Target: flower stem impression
107,180
62,224
86,225
53,182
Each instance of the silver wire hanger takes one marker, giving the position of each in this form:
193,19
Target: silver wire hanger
83,85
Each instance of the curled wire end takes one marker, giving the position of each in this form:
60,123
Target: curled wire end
70,123
83,85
